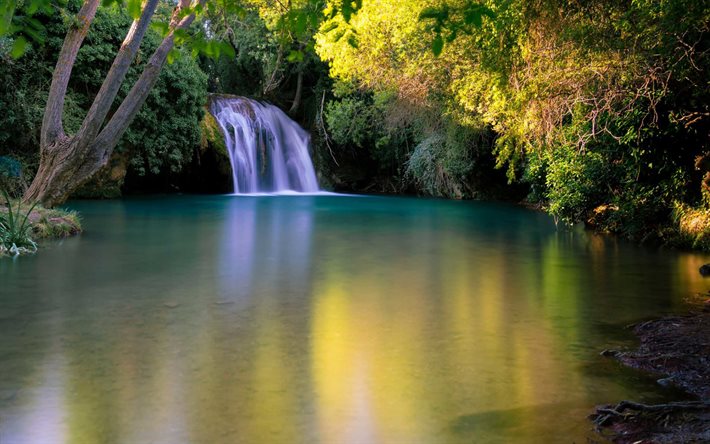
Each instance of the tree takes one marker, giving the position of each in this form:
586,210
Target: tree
68,161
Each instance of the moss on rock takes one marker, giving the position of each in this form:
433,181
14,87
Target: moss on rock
211,136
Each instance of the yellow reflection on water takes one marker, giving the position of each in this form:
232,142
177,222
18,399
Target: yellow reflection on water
385,372
405,333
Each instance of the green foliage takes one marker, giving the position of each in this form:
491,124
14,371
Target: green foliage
162,137
351,121
444,163
576,182
358,125
452,21
600,107
19,24
15,228
256,60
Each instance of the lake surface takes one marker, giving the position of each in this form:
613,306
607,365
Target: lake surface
323,319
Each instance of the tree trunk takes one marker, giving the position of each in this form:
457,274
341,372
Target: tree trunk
52,128
297,98
66,163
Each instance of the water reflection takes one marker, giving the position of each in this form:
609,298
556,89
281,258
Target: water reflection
321,319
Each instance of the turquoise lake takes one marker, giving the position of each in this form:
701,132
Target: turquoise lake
324,319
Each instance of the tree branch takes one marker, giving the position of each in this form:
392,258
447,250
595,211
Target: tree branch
107,139
121,63
52,127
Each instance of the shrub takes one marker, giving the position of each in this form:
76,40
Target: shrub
15,229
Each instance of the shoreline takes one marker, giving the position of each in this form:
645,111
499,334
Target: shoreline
45,224
676,349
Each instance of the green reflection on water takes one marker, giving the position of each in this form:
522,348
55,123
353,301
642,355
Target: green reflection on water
322,319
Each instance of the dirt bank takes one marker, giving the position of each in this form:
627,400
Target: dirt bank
677,350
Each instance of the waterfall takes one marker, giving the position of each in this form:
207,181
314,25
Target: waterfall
268,150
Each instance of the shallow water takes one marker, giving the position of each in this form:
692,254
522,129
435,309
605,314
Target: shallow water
323,319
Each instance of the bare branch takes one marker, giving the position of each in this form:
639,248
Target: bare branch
52,128
112,83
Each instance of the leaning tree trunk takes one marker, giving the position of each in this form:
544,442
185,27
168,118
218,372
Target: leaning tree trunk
67,162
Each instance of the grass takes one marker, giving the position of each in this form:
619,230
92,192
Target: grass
15,228
693,225
23,225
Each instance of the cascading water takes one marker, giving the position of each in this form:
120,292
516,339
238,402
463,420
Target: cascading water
268,150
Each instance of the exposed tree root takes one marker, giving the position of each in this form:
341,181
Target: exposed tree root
677,348
606,415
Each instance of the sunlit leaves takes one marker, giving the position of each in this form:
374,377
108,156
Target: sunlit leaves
450,21
134,8
210,48
173,55
162,28
18,47
345,8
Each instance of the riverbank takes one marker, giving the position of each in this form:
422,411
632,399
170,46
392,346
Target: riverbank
46,223
677,349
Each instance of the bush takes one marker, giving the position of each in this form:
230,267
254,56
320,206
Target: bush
15,228
453,162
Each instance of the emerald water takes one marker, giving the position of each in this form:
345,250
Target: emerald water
323,319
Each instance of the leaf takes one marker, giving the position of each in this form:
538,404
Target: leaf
437,45
473,15
329,27
352,41
227,50
181,35
347,10
134,8
34,35
35,5
429,12
338,35
7,10
295,56
300,23
433,13
472,18
161,27
19,47
173,55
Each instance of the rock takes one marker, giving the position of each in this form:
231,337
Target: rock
665,382
705,270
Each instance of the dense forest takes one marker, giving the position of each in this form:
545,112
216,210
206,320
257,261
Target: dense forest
598,112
